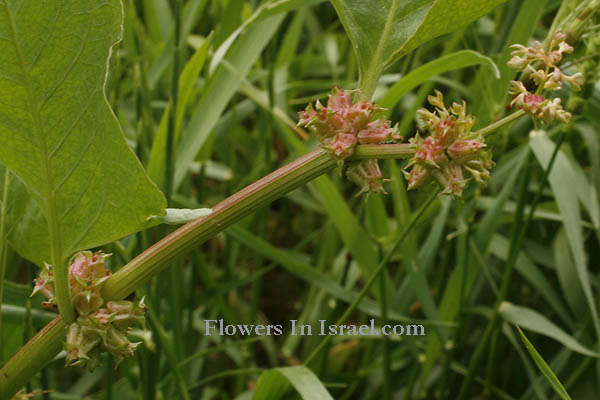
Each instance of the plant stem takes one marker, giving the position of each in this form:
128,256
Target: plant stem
387,376
500,123
3,240
42,348
171,134
375,274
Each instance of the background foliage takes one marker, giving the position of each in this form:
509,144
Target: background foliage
243,70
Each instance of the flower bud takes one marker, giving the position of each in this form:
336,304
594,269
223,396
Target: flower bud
367,175
418,176
451,179
378,131
576,80
342,145
44,284
464,149
81,347
127,313
429,151
518,63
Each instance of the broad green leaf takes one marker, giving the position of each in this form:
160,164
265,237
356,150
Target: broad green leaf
449,62
536,322
58,134
545,368
383,31
302,379
561,180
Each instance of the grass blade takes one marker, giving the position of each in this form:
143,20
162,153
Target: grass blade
543,366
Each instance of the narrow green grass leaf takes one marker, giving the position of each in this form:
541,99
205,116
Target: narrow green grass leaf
191,14
499,247
567,273
58,134
271,385
448,62
543,366
561,180
531,373
220,89
187,79
536,322
463,280
267,10
302,379
590,136
308,273
158,18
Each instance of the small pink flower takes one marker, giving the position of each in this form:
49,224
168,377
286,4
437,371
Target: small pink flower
342,145
417,176
367,175
431,152
378,131
463,149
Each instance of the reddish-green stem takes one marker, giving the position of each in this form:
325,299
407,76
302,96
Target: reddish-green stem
44,346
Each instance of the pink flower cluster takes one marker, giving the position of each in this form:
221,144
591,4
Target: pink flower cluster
546,75
97,328
344,123
450,151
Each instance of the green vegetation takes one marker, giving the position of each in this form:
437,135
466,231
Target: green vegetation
487,238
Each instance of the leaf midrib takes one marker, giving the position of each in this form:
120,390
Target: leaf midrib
50,198
384,34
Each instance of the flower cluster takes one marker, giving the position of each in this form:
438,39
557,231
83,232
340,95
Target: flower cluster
97,328
543,68
344,123
106,329
450,151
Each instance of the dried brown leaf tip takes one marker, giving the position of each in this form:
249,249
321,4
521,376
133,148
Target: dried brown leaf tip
452,154
346,121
